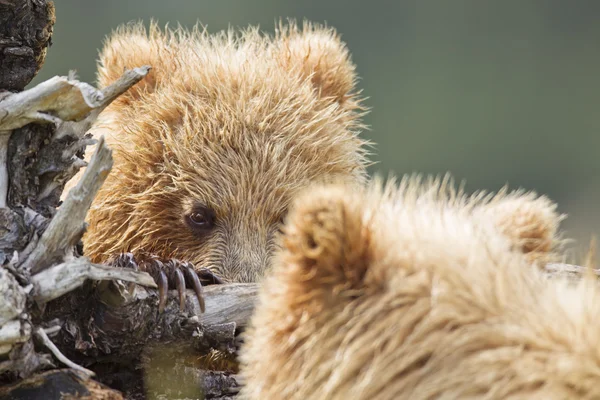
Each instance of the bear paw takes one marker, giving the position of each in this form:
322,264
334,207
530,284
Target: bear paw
170,274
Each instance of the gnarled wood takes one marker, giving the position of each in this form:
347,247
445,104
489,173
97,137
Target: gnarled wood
25,33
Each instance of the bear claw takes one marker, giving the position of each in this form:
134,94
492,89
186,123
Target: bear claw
172,274
178,275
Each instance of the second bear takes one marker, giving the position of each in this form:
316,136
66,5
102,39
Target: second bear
419,292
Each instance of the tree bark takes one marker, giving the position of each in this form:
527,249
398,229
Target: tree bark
25,35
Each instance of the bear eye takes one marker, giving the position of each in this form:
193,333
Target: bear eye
201,219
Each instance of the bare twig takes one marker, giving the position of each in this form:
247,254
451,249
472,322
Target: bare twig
68,224
52,330
41,335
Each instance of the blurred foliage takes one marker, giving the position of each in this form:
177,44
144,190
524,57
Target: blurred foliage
493,92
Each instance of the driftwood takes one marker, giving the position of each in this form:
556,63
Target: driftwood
116,330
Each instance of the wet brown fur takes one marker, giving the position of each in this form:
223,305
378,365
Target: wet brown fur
236,121
416,292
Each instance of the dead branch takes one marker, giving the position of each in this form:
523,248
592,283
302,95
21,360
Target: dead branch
51,101
60,279
63,99
36,160
109,93
68,225
41,335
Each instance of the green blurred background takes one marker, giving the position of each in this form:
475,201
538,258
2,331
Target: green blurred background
494,92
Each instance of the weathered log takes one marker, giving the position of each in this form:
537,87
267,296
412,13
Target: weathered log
113,321
115,330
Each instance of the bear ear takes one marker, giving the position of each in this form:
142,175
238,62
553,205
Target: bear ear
131,46
530,222
325,243
317,52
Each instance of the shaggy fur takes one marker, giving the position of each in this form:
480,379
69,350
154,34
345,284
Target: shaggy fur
236,122
414,292
530,221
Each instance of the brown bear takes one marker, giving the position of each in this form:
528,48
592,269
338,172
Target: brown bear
416,292
212,145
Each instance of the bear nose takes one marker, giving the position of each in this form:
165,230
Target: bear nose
245,270
245,264
246,258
